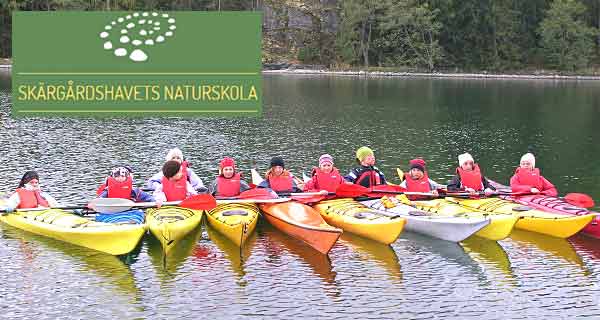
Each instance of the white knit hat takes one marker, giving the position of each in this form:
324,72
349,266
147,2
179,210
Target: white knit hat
175,152
529,157
464,158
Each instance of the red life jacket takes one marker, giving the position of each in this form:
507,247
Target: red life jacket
30,199
471,179
176,190
368,178
530,177
282,183
327,181
229,187
421,185
119,189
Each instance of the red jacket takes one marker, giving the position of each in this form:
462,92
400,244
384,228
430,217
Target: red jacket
523,180
324,181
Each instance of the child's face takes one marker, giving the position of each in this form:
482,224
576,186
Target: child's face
121,179
416,174
326,167
228,172
277,170
34,184
526,164
369,161
468,166
177,158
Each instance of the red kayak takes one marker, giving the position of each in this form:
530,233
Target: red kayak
556,205
302,222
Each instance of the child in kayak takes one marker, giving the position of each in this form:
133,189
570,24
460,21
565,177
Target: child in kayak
469,177
174,184
367,175
527,178
176,155
418,180
29,194
278,178
229,183
119,184
325,177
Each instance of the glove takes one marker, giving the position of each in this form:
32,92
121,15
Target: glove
78,212
7,210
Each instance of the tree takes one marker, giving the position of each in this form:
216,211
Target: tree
356,30
566,40
414,29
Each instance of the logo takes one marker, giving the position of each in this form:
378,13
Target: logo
187,63
132,35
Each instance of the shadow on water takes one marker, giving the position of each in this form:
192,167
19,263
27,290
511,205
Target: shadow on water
489,253
319,263
167,266
382,254
237,255
557,247
108,267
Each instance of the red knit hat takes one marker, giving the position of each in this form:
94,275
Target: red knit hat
227,162
417,163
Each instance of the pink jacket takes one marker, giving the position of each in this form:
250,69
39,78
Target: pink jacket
523,180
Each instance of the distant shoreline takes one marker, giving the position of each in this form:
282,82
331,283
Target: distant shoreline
431,75
374,74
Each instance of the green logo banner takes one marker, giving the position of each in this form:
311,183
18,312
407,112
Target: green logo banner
137,63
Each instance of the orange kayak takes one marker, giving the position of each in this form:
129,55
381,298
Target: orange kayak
302,222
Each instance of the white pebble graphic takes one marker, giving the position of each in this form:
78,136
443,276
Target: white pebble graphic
128,17
142,21
136,42
149,22
149,42
173,27
107,28
136,14
151,32
124,39
103,34
113,23
130,25
123,31
138,55
143,32
120,19
164,15
108,45
160,39
156,28
145,14
168,33
154,14
157,23
171,20
120,52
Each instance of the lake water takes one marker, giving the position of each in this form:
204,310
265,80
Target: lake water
524,276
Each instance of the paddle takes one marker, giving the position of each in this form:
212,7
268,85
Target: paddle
579,200
115,205
4,211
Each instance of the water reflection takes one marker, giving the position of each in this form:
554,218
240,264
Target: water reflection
237,256
167,266
489,253
552,246
110,268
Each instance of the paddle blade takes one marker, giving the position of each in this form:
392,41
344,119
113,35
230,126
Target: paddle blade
199,202
580,200
400,174
110,205
259,194
345,190
309,199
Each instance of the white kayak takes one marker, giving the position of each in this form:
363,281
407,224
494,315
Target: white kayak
454,229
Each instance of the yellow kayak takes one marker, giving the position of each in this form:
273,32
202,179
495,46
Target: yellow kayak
354,217
171,224
552,224
500,227
112,238
236,221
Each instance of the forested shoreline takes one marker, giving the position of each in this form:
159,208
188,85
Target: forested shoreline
410,35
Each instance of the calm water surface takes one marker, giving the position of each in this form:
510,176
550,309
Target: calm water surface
525,276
